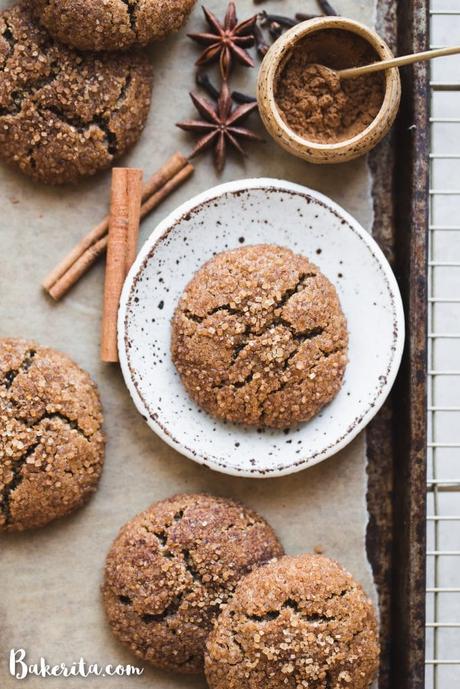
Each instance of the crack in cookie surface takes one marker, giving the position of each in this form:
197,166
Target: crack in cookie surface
16,479
300,621
171,610
131,6
258,321
10,376
112,24
171,570
72,424
66,114
51,443
83,127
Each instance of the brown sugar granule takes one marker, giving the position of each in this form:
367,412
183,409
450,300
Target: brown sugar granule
111,24
51,443
173,567
259,337
301,622
63,114
314,102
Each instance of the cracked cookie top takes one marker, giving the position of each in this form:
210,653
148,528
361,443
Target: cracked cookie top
64,114
300,622
111,24
259,337
51,443
173,567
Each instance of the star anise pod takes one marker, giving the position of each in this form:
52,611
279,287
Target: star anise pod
220,125
227,40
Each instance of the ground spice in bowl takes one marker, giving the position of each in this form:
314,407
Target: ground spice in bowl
314,102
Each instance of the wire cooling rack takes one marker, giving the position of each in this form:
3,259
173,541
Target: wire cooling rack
443,519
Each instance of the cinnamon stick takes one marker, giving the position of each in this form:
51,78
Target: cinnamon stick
167,189
78,268
92,253
135,194
156,182
125,214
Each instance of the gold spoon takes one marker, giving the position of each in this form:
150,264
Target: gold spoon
353,72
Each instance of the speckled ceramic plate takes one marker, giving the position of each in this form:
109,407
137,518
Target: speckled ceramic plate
251,212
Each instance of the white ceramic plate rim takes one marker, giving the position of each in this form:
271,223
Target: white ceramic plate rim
163,229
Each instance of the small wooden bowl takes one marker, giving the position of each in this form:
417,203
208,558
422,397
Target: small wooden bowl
312,151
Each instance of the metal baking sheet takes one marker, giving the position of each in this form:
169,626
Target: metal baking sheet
397,437
50,579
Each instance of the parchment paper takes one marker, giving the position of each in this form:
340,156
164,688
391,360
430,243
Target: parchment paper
50,579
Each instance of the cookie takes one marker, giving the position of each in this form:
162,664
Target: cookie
259,337
66,115
173,567
300,622
111,24
51,443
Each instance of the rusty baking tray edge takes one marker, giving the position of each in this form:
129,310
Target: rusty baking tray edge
397,438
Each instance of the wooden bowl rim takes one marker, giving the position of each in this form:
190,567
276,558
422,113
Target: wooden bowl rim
279,52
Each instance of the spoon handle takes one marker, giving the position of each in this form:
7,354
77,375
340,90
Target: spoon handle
397,62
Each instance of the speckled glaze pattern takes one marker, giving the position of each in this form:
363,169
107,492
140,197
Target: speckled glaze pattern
313,152
253,212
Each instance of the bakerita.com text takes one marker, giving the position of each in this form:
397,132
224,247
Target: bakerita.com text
20,667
